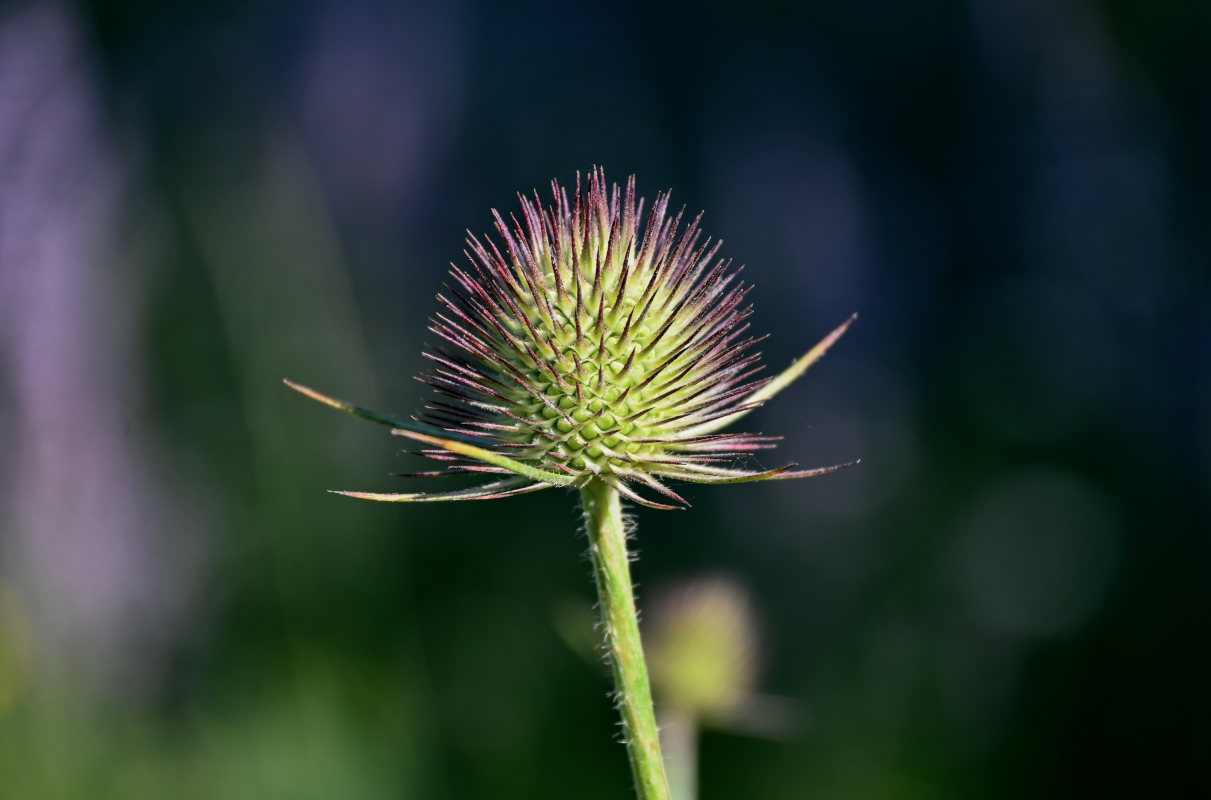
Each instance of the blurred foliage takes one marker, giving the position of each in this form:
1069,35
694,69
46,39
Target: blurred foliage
196,200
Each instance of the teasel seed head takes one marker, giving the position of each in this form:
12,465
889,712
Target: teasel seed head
592,340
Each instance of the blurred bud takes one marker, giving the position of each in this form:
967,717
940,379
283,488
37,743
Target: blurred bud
701,642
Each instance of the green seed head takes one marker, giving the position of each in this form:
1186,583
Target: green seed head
596,341
593,341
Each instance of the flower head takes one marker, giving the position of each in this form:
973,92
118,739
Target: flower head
593,342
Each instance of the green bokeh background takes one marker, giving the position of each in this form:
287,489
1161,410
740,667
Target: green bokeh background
1008,598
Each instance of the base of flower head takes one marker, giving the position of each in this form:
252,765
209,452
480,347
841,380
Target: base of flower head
464,458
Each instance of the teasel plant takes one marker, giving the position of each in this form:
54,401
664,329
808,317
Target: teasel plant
599,346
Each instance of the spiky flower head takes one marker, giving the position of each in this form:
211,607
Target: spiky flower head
593,340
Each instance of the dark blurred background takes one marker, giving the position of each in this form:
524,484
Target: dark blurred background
1008,598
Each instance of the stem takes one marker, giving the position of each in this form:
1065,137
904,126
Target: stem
616,599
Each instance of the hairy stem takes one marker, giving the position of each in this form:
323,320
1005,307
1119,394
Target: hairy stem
616,599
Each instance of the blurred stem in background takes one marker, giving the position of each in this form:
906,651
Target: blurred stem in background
274,262
679,737
616,600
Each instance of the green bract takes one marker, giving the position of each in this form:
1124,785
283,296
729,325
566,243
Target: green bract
592,342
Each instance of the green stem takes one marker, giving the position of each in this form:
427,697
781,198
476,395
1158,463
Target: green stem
616,599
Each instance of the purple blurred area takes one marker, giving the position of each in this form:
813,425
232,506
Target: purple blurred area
89,493
1005,598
